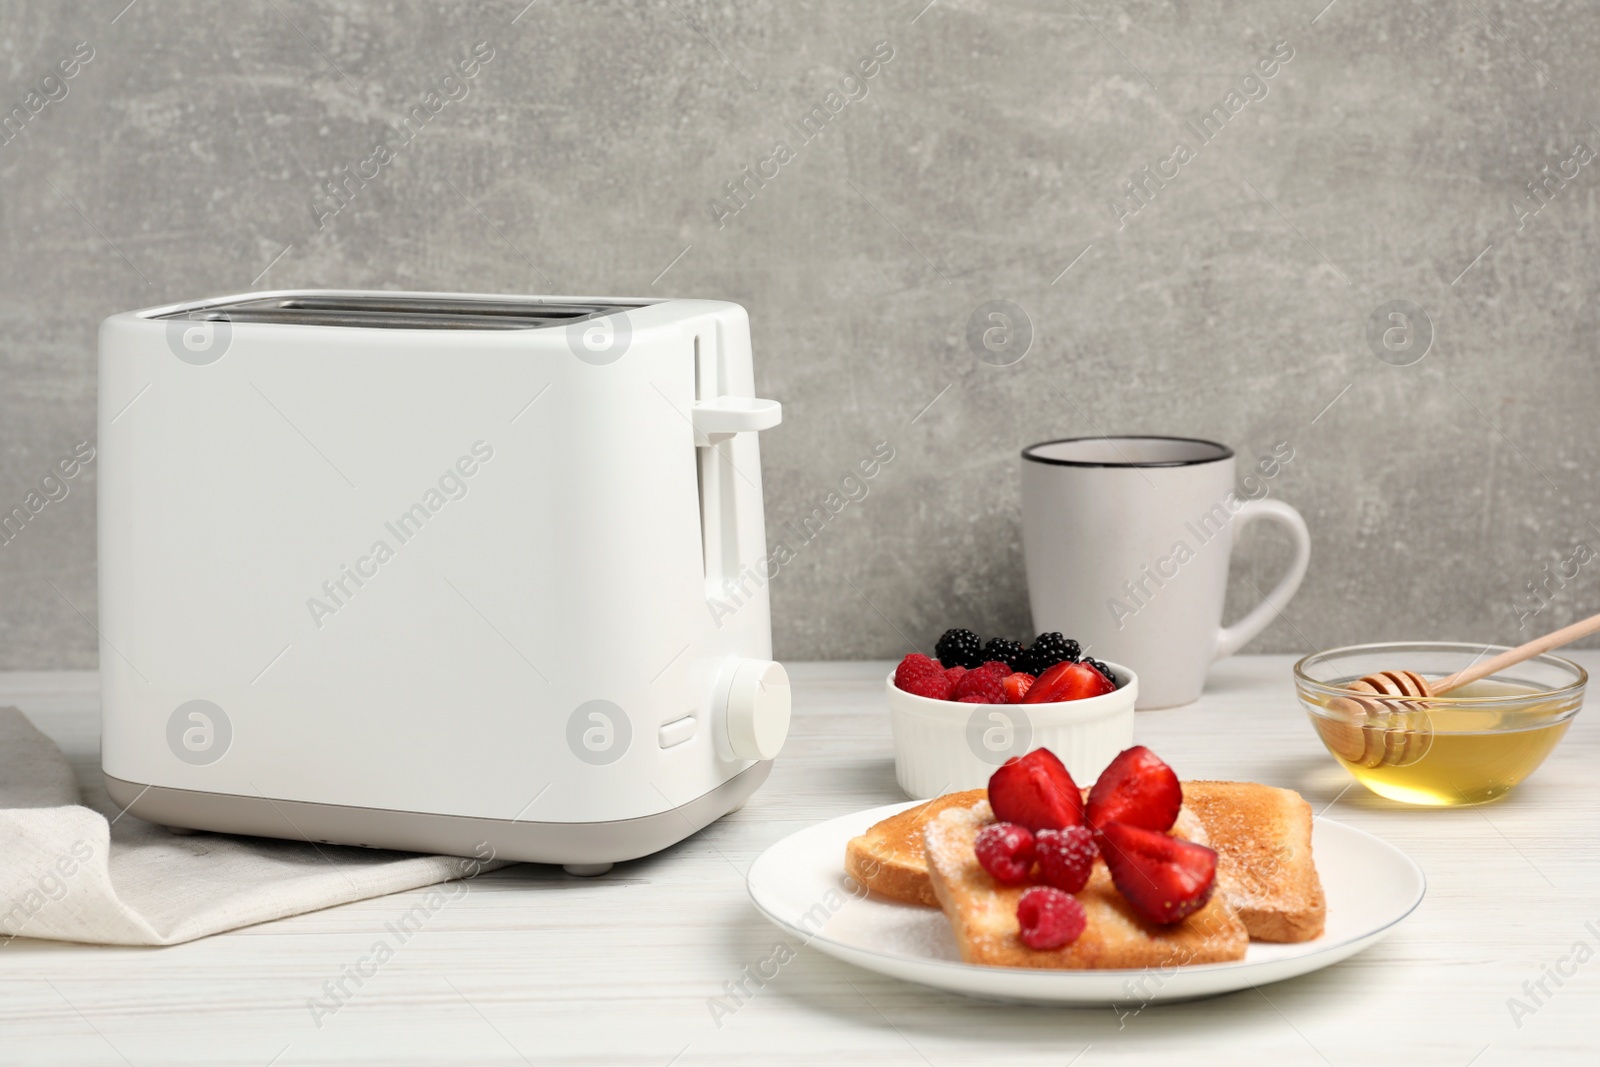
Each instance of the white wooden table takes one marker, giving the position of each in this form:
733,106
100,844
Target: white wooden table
534,966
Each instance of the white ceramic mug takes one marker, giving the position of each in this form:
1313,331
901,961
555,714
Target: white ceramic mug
1127,542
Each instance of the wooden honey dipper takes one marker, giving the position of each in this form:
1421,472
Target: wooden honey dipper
1388,719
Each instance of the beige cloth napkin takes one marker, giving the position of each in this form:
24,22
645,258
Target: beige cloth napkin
73,868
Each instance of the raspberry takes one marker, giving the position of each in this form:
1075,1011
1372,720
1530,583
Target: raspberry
1006,851
982,686
954,674
920,675
1000,667
1049,918
1066,857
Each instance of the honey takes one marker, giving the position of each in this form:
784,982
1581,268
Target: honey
1455,755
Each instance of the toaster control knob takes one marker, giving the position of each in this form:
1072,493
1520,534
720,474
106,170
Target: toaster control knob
758,709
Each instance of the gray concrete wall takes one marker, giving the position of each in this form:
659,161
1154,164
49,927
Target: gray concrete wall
986,158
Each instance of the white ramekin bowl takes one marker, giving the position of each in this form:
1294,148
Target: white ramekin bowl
942,745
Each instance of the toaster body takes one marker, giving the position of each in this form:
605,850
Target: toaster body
461,574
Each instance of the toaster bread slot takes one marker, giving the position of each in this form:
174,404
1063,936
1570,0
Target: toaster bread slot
719,532
376,311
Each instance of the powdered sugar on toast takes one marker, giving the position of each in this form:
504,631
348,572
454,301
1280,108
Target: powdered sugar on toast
948,837
1190,828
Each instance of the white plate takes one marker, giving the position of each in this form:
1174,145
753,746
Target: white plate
799,883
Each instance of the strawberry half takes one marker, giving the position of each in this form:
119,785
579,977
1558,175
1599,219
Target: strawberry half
1036,791
1068,681
1164,878
1137,789
1016,686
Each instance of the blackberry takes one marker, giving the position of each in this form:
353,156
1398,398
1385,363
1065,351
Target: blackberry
1047,650
1006,651
1103,669
959,648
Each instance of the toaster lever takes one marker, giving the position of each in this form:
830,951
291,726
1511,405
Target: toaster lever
717,420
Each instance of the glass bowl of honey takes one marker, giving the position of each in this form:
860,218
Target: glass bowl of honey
1470,746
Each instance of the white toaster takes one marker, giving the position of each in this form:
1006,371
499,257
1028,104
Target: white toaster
443,573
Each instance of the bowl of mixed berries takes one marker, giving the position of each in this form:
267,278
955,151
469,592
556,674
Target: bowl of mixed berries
973,704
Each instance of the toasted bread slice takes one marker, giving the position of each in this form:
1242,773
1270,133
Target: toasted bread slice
888,858
983,913
1262,836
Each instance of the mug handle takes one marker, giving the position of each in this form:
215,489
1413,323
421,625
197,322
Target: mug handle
1231,639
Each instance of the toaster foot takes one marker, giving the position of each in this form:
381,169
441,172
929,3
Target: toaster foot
586,870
